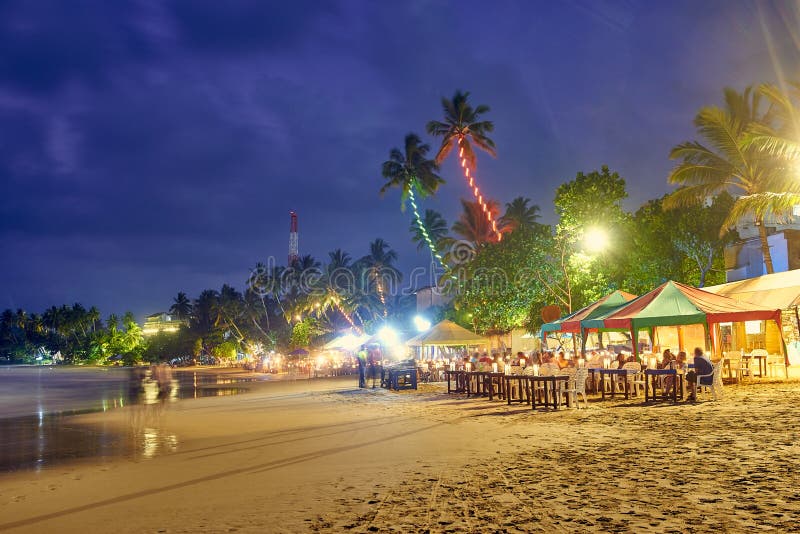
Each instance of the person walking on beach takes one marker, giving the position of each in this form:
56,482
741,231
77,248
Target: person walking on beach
362,363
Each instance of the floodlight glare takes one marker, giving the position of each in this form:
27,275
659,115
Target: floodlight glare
421,323
595,240
387,335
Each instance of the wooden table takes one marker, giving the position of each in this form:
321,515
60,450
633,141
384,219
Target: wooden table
522,383
496,378
615,373
650,376
550,386
459,377
593,371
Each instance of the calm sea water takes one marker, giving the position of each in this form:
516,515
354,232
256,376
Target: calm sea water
38,406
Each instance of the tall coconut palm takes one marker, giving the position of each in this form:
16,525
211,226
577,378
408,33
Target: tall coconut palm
472,226
379,269
463,128
181,306
335,286
412,172
519,215
731,162
780,135
461,125
204,310
435,227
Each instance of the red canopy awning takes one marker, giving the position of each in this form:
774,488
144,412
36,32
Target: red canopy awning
673,303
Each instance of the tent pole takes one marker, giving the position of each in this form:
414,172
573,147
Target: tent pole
635,341
680,338
709,336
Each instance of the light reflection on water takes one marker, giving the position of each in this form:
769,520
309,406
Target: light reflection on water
43,439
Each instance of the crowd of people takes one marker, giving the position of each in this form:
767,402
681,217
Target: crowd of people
702,365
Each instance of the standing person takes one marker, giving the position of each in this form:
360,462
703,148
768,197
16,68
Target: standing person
362,363
372,358
702,366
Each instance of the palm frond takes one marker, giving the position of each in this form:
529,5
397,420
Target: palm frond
724,132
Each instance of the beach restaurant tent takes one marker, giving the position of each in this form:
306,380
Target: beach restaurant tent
778,290
676,304
572,323
447,334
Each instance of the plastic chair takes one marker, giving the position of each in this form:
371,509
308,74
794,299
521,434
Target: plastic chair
776,360
715,384
577,386
739,367
635,381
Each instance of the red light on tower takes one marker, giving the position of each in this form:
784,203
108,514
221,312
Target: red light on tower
293,250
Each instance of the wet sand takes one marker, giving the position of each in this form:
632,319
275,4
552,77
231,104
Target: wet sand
319,456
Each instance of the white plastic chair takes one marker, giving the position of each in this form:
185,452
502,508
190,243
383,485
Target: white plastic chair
577,386
635,380
734,358
776,360
716,381
549,369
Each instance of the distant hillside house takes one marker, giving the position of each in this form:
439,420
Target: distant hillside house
161,322
743,259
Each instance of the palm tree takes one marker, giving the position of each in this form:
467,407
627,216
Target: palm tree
472,226
181,306
780,136
333,288
379,267
462,127
435,226
520,215
731,161
94,317
204,308
229,310
412,171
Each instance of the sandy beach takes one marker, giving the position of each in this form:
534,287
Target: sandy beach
321,456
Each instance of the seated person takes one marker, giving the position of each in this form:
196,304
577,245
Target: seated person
702,366
621,360
562,360
665,360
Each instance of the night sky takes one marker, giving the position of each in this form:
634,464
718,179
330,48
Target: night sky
153,147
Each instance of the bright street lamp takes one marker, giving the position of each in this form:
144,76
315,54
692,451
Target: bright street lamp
595,240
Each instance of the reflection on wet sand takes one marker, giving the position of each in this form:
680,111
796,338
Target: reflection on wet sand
145,417
40,440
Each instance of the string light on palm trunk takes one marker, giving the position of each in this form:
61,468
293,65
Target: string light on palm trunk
476,192
425,235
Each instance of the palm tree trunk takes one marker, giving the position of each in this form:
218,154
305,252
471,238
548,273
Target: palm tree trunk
434,253
762,236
